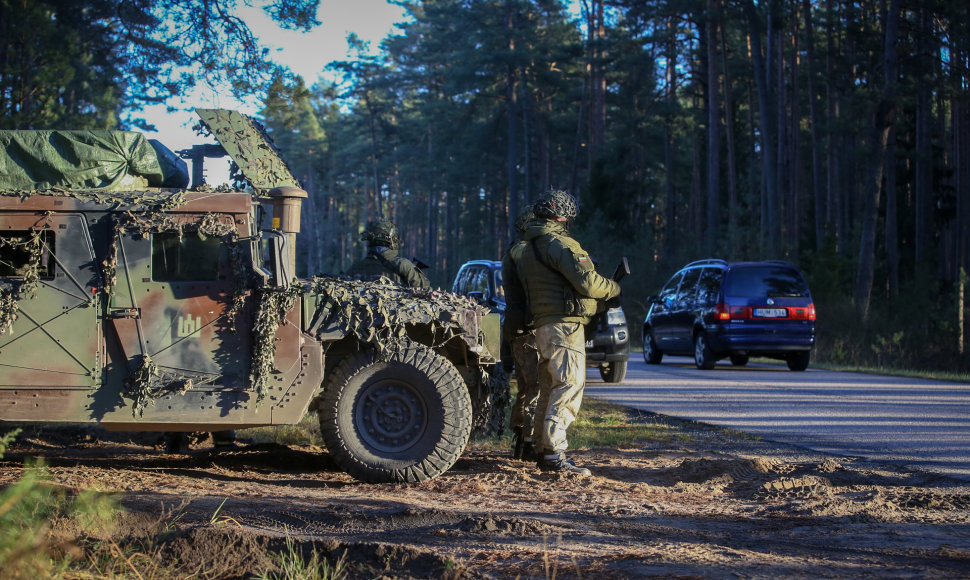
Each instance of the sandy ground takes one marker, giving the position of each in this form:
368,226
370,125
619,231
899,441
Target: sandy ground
707,504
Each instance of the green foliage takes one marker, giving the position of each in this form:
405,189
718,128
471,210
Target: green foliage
86,64
604,425
294,564
39,523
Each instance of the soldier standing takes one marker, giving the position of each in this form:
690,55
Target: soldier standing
562,289
518,332
382,258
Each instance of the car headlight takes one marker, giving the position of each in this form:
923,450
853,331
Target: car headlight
615,316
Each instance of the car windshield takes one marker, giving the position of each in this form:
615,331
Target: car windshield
765,281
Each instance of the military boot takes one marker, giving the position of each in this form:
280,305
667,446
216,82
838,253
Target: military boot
528,451
558,462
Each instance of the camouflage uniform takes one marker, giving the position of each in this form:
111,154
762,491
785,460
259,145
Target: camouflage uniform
382,258
518,331
563,290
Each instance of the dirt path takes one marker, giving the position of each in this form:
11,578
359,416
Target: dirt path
709,504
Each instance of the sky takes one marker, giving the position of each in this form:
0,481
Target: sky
305,53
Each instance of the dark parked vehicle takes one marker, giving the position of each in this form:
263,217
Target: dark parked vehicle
712,309
607,335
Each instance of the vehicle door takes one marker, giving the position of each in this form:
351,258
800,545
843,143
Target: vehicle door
661,313
682,312
174,301
53,341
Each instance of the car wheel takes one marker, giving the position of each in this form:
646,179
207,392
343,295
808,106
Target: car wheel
406,418
739,360
651,354
613,372
703,357
798,361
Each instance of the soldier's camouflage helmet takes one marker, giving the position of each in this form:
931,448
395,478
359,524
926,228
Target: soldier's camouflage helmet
556,204
522,222
381,233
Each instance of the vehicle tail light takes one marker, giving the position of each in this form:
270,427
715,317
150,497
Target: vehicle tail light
802,312
725,311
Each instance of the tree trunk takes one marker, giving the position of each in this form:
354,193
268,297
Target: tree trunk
670,156
924,157
892,216
814,121
732,167
767,116
595,33
882,123
511,205
713,129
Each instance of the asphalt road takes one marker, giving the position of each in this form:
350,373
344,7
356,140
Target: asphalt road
923,424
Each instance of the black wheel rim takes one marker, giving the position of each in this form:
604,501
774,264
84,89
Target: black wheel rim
390,416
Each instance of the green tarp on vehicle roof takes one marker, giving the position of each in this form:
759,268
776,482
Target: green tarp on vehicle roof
85,160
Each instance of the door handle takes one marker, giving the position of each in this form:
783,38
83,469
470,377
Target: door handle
124,313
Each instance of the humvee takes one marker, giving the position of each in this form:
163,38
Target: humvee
129,300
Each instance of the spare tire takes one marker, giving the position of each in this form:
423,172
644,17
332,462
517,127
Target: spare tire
404,417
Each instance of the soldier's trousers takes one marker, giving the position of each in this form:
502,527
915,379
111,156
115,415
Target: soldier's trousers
562,376
526,358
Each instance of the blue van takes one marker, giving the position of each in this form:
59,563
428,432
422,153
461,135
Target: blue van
713,309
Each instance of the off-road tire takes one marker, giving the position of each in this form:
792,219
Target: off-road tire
651,354
798,361
613,372
405,419
703,357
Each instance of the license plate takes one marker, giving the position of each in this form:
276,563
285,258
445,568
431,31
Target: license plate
771,312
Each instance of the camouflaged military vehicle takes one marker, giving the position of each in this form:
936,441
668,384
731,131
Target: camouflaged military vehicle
129,300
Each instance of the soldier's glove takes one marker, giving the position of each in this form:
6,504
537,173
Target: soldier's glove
613,302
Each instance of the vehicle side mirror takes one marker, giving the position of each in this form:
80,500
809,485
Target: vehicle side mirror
477,295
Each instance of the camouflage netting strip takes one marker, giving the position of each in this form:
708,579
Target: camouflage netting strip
380,311
147,383
490,418
162,199
273,306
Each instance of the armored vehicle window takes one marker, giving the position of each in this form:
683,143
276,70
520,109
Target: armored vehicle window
16,249
185,258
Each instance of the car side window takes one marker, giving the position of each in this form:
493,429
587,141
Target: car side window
670,288
687,292
709,286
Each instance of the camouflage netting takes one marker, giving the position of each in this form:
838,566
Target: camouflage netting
270,313
492,399
148,383
379,312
